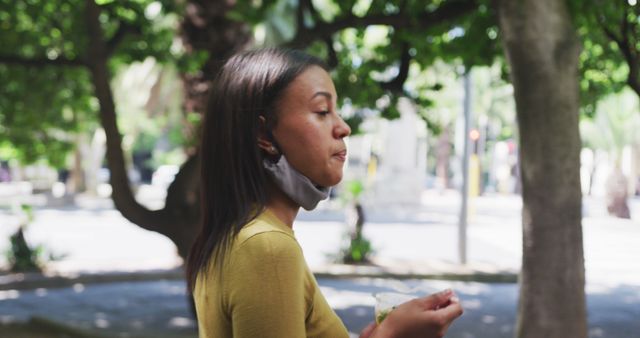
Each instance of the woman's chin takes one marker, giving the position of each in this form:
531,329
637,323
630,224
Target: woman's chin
334,180
328,178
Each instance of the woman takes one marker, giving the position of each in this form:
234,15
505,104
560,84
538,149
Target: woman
273,142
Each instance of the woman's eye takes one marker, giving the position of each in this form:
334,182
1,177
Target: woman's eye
323,112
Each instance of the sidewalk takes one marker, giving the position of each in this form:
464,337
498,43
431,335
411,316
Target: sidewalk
409,242
159,308
122,281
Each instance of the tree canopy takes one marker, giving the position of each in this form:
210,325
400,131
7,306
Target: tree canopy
377,45
370,44
47,94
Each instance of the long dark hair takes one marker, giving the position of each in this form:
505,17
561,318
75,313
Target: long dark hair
233,179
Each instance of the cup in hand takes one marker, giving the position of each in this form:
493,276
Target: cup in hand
387,301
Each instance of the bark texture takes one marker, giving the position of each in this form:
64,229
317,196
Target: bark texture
542,50
205,27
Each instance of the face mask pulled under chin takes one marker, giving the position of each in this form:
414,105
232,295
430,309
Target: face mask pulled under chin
294,184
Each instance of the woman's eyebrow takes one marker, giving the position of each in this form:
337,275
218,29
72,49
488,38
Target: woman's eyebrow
325,94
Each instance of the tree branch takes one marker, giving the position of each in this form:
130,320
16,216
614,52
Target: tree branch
312,10
122,195
610,34
629,34
624,23
41,62
627,49
396,85
403,6
123,30
300,16
448,11
332,59
619,40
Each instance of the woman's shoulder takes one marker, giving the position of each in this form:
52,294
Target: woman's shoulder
262,232
260,244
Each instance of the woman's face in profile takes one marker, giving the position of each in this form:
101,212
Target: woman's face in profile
309,129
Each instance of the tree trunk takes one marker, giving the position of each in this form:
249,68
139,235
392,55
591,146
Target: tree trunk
205,27
178,220
542,50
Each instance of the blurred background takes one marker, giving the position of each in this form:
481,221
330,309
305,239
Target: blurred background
100,108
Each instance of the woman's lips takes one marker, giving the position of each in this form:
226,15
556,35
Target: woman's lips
341,155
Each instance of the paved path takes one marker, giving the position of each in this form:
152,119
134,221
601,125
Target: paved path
159,308
419,239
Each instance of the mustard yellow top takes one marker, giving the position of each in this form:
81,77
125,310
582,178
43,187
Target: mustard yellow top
266,289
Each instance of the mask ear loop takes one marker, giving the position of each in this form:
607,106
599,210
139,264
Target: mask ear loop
274,144
275,152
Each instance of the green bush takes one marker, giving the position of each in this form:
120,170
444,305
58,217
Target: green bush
358,251
359,248
21,256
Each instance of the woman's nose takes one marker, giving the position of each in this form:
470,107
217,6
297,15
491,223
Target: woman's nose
342,129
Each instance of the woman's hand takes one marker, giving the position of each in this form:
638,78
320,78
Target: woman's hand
426,317
367,331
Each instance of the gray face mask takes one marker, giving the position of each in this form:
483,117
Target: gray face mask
294,184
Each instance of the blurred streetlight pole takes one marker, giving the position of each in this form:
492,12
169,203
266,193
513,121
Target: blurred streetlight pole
462,223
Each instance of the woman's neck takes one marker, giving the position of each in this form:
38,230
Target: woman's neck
282,206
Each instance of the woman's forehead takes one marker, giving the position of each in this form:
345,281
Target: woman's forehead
312,84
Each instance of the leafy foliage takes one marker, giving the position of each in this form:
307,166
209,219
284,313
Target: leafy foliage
374,46
40,122
614,125
44,48
603,69
371,58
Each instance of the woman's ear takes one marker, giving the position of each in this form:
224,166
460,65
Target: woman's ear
263,140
